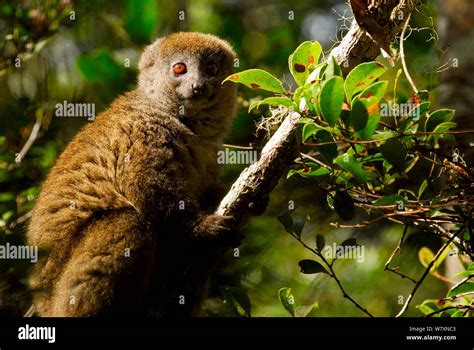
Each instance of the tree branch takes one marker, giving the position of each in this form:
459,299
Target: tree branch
258,180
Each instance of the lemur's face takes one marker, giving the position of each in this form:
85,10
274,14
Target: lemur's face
190,68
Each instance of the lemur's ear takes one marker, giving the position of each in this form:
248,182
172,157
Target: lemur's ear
150,55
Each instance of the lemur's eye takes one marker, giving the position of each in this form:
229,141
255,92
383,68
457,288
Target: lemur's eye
179,68
212,69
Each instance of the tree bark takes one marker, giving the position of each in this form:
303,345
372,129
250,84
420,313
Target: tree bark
258,180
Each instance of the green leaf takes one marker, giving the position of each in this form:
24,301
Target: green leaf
458,313
420,97
100,67
420,110
305,55
315,76
373,117
390,200
443,127
333,69
141,19
375,91
274,101
309,130
438,117
8,215
320,242
349,163
394,152
309,170
425,255
359,115
361,77
257,79
331,99
287,221
298,226
422,188
238,299
311,96
304,310
462,288
309,266
7,197
428,306
465,274
329,151
350,242
287,300
344,205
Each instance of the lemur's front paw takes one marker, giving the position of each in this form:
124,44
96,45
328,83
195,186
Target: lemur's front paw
219,228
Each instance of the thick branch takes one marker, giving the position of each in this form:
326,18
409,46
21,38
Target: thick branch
258,180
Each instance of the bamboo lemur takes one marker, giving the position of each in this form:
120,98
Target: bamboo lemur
121,215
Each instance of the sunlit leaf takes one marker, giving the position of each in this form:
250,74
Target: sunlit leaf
425,255
373,117
375,91
306,55
361,77
257,79
287,300
274,101
333,69
331,99
465,287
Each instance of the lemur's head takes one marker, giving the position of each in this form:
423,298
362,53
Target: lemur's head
189,68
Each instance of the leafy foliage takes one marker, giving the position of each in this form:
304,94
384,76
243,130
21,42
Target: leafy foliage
362,141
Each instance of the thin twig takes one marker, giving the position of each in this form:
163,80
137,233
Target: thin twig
334,276
402,55
427,271
418,133
304,155
30,141
226,145
460,307
395,251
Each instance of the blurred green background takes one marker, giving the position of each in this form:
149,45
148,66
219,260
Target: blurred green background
87,51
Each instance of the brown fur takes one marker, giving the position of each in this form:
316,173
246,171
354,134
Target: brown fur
110,214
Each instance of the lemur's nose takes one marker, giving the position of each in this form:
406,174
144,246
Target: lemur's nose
198,88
